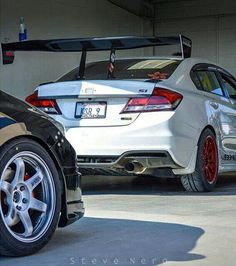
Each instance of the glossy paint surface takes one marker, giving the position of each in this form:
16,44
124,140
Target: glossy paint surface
18,119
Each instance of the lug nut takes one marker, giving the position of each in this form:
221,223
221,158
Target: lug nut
22,188
25,200
18,208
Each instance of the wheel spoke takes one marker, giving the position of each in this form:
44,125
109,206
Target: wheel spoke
210,157
212,163
27,223
20,171
208,175
6,187
207,172
210,171
35,180
38,205
11,218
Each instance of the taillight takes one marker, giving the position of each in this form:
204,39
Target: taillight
160,100
48,106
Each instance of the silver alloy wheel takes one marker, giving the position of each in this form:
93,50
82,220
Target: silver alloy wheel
27,197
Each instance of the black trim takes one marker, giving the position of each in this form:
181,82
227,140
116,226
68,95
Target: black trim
73,181
91,44
209,68
109,159
231,80
82,65
75,202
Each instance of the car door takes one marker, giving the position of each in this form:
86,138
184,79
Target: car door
228,121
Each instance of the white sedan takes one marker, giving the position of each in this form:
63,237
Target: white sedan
165,117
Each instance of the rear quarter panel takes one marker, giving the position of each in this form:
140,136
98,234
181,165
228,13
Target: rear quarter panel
195,111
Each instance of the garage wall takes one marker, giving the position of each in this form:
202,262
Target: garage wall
210,24
56,19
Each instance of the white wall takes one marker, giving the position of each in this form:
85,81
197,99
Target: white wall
56,19
210,24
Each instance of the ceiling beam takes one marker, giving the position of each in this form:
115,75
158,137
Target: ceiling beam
139,8
124,7
170,1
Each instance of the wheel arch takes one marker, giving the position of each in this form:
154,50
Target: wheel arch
214,131
209,127
198,181
193,159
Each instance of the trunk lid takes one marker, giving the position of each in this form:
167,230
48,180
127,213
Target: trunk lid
109,97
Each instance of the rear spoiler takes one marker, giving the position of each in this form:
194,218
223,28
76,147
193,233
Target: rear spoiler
95,44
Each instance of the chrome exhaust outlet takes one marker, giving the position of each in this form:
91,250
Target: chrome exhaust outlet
134,167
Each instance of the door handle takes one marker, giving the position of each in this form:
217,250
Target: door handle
214,105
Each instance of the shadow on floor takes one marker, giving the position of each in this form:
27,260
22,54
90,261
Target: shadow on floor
94,241
147,185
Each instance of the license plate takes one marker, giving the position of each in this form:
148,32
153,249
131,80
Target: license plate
90,110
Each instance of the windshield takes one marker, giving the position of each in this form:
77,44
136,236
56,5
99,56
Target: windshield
150,69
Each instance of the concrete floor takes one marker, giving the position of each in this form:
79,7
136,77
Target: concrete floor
145,221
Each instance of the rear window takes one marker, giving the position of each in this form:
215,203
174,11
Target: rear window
150,69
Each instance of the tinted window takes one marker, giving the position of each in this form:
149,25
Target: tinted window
229,86
196,80
127,69
209,82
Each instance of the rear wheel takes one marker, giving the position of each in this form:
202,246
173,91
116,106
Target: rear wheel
30,198
205,175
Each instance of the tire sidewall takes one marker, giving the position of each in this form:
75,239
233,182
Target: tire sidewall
200,162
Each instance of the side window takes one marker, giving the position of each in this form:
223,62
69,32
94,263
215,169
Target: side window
209,82
229,86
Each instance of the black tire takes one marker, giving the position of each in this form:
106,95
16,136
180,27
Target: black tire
202,180
25,244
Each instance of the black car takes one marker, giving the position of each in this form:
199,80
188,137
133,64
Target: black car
39,179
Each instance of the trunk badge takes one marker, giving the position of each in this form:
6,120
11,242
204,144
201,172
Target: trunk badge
126,118
90,90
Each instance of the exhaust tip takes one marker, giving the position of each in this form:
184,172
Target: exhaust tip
134,167
129,167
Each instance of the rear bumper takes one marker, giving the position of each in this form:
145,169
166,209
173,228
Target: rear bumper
132,162
149,159
162,140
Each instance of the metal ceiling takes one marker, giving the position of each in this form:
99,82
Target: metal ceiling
142,8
